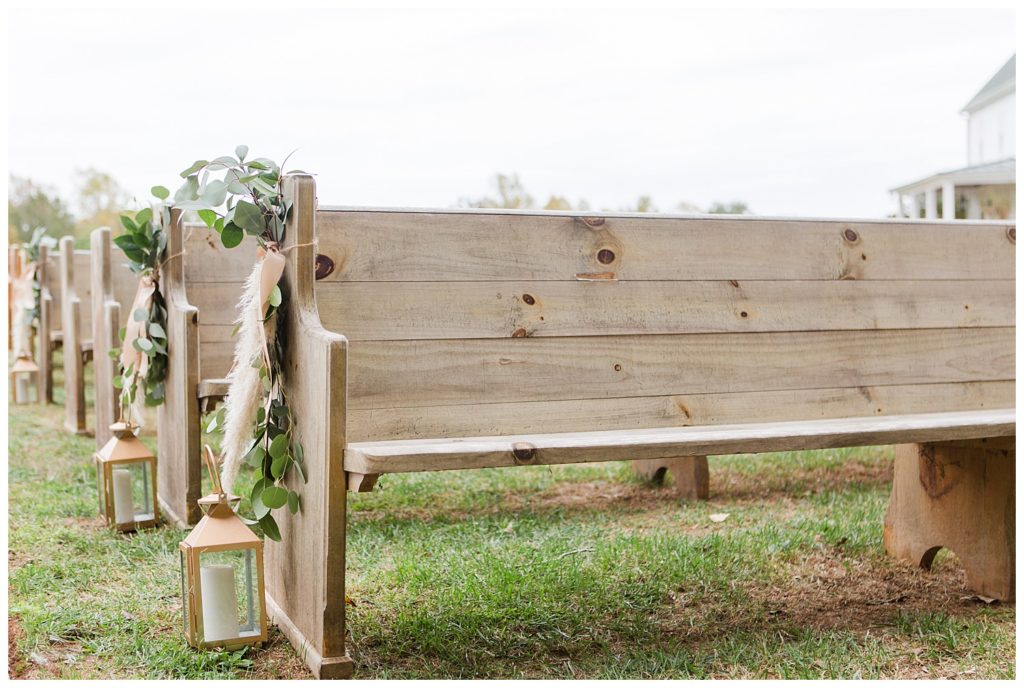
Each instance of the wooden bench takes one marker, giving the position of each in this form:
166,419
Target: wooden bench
440,340
49,334
113,287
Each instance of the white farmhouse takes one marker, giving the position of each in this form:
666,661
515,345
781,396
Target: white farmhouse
986,188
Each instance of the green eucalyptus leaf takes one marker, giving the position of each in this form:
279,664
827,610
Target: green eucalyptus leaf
160,192
241,152
248,217
293,502
128,223
279,466
275,297
207,216
143,216
142,344
275,497
269,527
118,382
231,235
255,456
196,166
140,315
279,447
156,330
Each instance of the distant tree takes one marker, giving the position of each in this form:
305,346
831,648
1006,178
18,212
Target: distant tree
101,201
731,208
31,205
644,204
512,194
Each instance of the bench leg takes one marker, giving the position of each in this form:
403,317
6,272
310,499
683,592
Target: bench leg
690,473
957,495
46,347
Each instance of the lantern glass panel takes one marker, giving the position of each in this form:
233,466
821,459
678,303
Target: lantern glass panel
24,391
229,589
184,594
132,491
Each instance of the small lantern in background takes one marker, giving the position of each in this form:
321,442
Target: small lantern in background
126,480
222,575
25,380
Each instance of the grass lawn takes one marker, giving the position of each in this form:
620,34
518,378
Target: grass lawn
577,571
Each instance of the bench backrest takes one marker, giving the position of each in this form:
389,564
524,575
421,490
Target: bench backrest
481,322
214,280
79,282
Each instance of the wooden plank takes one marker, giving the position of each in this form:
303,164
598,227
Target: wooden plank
422,422
454,310
615,445
206,260
178,422
470,371
106,322
73,329
393,246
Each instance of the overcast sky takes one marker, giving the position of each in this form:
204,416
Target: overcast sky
796,113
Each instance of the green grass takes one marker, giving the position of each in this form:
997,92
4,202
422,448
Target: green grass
562,572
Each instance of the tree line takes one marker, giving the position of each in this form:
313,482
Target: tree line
99,200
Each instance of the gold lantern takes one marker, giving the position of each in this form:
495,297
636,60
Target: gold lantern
25,380
126,480
222,593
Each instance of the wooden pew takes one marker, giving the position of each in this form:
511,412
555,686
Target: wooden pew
113,287
441,340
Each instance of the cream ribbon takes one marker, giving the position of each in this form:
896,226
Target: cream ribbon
134,329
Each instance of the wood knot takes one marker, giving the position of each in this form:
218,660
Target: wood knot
606,256
1011,234
521,332
523,453
324,266
529,300
850,235
593,221
937,474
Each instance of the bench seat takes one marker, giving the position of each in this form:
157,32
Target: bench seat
211,392
402,456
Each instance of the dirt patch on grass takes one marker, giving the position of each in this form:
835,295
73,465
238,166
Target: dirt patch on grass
15,663
828,591
277,660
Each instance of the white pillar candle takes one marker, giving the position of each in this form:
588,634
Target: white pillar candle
20,389
124,508
220,608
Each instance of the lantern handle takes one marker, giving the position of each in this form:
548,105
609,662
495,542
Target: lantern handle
211,465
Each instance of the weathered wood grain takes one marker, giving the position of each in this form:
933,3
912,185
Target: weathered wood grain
393,246
306,570
178,421
960,496
456,310
469,371
456,453
73,327
106,322
49,320
516,418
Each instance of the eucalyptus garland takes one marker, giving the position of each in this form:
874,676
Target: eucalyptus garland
247,199
39,238
143,243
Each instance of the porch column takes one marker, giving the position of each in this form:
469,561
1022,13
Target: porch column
915,206
931,204
948,201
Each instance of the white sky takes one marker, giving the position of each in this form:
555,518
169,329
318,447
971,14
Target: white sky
797,113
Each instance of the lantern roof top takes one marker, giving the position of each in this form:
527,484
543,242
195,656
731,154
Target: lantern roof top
123,445
24,364
220,526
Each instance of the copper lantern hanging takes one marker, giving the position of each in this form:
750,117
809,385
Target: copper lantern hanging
222,585
126,481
